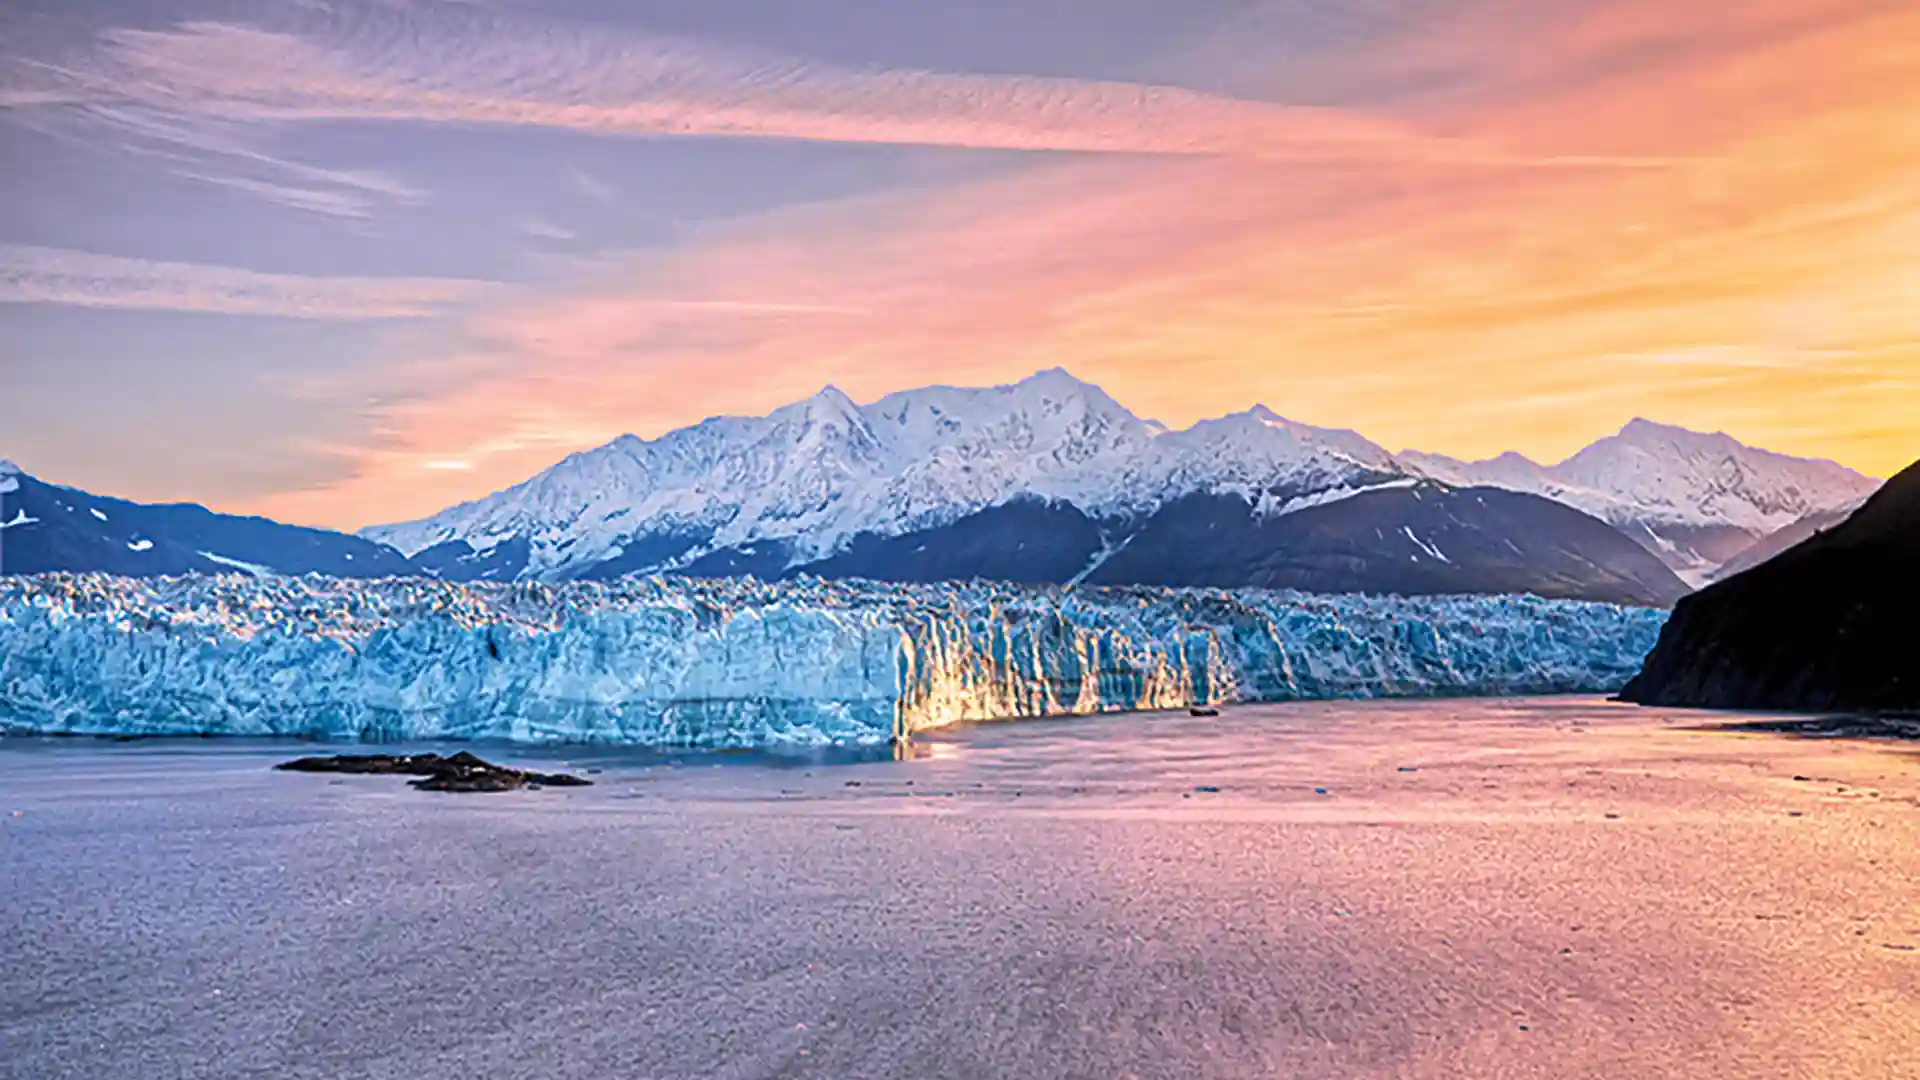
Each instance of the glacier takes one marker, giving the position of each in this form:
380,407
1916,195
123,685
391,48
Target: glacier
740,663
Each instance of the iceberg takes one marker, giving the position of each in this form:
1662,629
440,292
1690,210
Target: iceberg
738,663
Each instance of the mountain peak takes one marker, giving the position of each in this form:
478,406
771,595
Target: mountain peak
827,404
1055,375
1640,430
8,468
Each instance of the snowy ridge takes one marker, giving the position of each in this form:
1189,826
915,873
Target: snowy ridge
818,472
813,475
1696,500
736,662
1661,475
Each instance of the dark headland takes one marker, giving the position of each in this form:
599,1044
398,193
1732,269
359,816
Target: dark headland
1826,626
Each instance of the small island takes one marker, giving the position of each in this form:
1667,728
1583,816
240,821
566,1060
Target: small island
460,772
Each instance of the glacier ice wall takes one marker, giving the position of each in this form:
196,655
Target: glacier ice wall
739,663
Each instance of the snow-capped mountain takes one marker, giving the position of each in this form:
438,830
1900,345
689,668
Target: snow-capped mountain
1049,478
820,472
46,527
1696,500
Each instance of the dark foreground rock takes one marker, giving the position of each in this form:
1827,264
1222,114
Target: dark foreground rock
458,772
1825,626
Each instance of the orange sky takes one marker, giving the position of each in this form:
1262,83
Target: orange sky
1707,214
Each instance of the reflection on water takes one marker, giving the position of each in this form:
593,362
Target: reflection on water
498,750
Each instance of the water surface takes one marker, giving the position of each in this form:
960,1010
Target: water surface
1528,888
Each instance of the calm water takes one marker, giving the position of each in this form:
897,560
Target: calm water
1545,888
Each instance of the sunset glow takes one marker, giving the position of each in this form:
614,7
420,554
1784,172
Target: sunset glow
1494,227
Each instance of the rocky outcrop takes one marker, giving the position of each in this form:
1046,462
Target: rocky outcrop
459,772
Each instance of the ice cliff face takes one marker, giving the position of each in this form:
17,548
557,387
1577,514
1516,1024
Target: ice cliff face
738,663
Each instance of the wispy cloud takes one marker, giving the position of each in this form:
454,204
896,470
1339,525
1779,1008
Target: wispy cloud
213,151
592,186
319,200
466,65
540,229
39,275
77,93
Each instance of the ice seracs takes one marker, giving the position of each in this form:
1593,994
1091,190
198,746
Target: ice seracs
729,662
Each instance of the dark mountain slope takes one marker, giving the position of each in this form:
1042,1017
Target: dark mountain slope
1780,540
1426,538
48,527
1826,625
1026,541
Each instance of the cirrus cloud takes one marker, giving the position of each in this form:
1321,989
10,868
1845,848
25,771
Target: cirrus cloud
42,275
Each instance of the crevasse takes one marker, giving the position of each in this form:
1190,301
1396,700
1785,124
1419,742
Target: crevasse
741,663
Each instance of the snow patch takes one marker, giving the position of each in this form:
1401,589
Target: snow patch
96,513
1271,507
1108,549
19,518
1430,549
252,568
139,545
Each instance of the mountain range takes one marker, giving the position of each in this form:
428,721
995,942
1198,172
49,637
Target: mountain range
1052,480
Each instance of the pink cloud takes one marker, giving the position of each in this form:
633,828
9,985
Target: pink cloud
476,67
1461,310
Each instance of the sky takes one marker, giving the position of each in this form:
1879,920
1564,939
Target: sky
350,261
